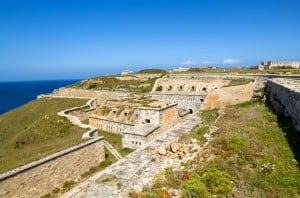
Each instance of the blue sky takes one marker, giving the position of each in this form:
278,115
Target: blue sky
57,39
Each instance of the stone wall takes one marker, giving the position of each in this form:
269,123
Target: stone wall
100,95
82,114
150,123
192,86
229,96
108,125
193,102
42,176
284,95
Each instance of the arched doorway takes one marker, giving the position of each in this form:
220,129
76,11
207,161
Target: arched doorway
191,111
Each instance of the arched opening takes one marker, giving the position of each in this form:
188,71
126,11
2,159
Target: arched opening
193,88
180,88
204,89
201,100
147,120
191,111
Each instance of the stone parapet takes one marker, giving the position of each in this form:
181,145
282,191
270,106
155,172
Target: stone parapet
284,95
40,177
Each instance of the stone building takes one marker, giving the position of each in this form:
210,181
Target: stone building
188,93
151,122
273,64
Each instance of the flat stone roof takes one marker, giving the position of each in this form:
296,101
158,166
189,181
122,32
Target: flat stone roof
293,84
141,129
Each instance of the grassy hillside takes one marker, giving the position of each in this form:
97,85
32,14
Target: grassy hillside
253,154
112,83
35,130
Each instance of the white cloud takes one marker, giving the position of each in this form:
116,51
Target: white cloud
188,62
208,62
231,61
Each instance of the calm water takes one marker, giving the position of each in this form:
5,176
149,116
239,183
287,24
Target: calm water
15,94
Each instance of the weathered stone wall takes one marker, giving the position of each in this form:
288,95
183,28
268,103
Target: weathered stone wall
108,125
162,119
228,96
100,95
80,113
193,102
284,95
42,176
168,117
145,114
192,86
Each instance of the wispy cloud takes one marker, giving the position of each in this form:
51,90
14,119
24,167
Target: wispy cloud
188,62
206,62
231,61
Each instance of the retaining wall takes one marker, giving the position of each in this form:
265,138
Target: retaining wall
40,177
100,95
284,95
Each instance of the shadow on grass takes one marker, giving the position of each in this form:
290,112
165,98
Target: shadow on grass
291,134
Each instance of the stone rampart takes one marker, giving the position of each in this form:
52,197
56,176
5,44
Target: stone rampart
229,96
284,95
40,177
82,114
193,102
100,95
108,125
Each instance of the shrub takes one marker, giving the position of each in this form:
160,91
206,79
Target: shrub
159,88
216,181
193,188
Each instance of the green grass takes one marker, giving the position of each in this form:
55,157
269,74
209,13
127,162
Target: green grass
34,130
207,118
152,71
253,154
238,81
116,141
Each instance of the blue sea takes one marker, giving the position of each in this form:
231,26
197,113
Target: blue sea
15,94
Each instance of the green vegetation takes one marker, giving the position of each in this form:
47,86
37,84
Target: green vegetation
35,130
113,83
207,118
251,155
116,141
159,88
152,71
238,81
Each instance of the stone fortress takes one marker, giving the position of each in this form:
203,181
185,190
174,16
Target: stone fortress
274,64
141,117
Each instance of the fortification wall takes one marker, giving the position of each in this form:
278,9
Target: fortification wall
80,113
108,125
42,176
100,95
229,96
193,102
284,95
168,117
